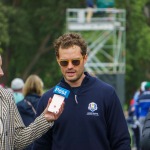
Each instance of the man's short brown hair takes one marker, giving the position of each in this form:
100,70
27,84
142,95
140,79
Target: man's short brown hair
69,39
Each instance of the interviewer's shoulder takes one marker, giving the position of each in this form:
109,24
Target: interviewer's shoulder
5,94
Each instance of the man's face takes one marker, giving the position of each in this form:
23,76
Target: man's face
71,63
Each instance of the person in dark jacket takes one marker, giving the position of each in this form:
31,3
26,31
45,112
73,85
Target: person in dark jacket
145,138
33,89
93,118
143,105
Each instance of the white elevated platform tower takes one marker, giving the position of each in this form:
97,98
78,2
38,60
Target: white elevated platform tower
105,34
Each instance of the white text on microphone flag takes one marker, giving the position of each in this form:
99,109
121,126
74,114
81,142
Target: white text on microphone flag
59,95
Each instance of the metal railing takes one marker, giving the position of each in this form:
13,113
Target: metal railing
107,47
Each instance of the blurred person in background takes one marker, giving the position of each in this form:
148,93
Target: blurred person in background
13,133
105,3
32,90
133,125
90,5
134,114
143,105
17,86
139,91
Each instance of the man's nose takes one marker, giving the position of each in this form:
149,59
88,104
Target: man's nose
70,65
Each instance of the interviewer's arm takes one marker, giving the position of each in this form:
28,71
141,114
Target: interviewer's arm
26,135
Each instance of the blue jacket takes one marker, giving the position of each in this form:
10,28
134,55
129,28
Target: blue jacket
143,104
96,122
90,3
26,112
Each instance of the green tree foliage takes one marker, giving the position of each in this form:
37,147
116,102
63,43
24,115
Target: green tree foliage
137,45
4,37
31,30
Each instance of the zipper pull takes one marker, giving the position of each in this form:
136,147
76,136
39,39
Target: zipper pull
76,99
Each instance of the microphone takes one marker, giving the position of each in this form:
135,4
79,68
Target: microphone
59,95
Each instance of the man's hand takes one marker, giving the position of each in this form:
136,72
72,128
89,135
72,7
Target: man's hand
49,116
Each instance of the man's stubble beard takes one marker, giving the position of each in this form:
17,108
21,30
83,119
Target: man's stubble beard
74,80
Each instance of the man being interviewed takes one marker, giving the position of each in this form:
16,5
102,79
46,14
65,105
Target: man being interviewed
93,118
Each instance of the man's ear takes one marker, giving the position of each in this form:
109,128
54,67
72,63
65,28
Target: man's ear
85,58
57,60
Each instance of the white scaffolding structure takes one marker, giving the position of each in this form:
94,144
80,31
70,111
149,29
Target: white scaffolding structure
105,34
